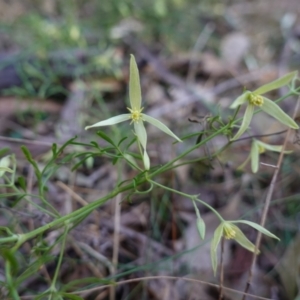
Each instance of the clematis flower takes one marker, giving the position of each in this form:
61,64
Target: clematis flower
135,114
255,98
229,230
258,148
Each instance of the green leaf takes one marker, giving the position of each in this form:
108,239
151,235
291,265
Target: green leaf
28,156
22,182
122,140
4,151
258,227
254,153
214,246
54,149
115,160
135,94
276,112
201,227
10,258
71,296
110,121
246,121
160,126
106,138
284,80
240,100
243,240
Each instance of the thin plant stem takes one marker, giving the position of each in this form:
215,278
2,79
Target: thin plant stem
192,197
62,250
99,288
267,203
116,242
222,269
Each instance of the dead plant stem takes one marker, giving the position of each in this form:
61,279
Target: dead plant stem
267,204
116,242
222,269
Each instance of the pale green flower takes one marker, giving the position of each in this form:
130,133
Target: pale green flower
258,148
255,98
229,230
136,116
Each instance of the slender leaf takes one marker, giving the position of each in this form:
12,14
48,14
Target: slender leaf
4,151
106,137
122,140
28,156
71,296
22,182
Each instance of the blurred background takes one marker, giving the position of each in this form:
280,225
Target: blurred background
64,65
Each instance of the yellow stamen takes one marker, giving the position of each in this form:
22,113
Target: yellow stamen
136,114
261,149
256,100
228,232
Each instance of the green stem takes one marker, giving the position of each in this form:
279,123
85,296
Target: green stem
192,197
185,153
53,283
72,216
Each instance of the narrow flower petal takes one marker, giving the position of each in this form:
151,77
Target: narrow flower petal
146,160
111,121
141,133
135,95
243,240
282,81
240,100
276,112
274,148
254,153
246,121
214,246
160,126
258,227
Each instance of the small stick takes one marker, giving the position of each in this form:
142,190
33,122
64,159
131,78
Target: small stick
222,269
267,204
